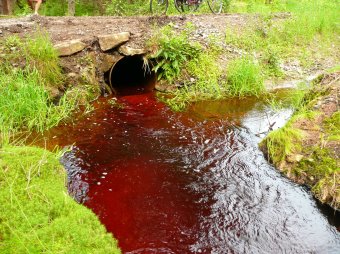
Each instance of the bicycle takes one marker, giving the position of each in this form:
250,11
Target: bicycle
160,7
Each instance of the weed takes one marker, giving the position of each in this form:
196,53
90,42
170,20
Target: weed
25,104
244,78
205,73
173,52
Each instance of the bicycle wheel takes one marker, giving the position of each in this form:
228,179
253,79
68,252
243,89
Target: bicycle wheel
159,7
215,5
187,5
179,5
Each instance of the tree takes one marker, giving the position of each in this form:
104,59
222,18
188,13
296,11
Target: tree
7,6
71,7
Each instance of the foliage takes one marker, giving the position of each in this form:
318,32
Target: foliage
37,216
174,50
127,8
25,105
244,78
206,73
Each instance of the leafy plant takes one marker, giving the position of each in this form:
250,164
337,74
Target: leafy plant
173,52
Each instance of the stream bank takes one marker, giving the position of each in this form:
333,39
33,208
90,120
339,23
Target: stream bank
307,148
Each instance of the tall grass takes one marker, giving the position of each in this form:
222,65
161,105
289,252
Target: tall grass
244,78
25,104
205,73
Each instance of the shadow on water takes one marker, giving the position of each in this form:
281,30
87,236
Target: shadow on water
190,182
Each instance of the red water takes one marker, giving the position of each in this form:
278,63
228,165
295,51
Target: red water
192,182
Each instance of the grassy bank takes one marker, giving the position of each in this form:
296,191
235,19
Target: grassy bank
306,149
37,215
270,47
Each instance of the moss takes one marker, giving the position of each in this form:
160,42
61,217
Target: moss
37,215
332,127
281,143
314,156
323,173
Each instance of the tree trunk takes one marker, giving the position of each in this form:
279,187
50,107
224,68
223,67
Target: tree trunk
7,6
71,7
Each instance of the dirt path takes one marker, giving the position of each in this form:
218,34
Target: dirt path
87,28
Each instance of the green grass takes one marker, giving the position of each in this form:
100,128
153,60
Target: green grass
318,166
33,53
173,51
25,105
37,215
244,78
29,71
311,31
281,143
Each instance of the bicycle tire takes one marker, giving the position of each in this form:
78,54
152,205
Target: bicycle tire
159,7
179,5
182,6
215,6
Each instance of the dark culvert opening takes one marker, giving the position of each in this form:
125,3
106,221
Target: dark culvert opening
131,75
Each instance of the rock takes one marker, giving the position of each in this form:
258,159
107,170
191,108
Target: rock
163,86
128,51
68,48
108,61
109,41
292,158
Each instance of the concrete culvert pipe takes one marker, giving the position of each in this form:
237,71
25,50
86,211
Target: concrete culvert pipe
131,75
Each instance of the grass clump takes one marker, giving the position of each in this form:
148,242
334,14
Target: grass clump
29,76
25,104
37,215
244,78
281,143
32,54
205,73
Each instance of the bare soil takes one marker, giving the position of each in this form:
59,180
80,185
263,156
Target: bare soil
140,27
